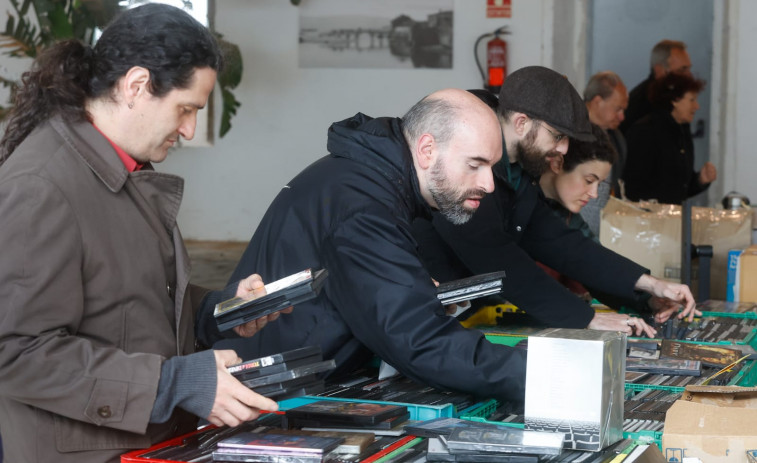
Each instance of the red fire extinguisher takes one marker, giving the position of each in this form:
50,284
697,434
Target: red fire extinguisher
496,60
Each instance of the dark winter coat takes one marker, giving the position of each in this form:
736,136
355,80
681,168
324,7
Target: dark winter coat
660,161
351,213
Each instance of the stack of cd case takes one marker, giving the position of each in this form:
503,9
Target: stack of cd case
285,375
469,288
280,294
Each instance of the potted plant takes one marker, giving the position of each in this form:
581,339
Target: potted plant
35,24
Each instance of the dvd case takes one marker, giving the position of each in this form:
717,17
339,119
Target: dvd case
438,451
712,356
274,359
225,455
280,294
340,413
665,366
504,440
443,426
280,444
287,375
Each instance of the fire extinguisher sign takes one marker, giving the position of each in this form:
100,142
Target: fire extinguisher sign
498,9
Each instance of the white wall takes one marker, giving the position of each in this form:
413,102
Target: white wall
741,153
281,126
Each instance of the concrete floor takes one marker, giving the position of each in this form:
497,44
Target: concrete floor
214,261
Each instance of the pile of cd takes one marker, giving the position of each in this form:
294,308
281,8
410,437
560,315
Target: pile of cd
288,374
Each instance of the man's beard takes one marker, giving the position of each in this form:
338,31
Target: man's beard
532,159
450,203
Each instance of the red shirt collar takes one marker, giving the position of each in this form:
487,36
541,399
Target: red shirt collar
129,162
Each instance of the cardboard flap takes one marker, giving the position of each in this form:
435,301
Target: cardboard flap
722,396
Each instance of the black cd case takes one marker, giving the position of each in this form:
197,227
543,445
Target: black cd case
332,412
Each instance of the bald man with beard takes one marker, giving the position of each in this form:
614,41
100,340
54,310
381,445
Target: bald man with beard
351,213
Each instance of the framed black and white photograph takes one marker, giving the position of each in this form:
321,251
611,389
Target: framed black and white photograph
401,34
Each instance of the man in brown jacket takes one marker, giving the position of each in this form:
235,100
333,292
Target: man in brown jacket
97,321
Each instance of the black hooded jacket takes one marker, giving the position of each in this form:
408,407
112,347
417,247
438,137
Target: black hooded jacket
351,213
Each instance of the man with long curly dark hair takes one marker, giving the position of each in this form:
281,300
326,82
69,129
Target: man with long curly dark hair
97,342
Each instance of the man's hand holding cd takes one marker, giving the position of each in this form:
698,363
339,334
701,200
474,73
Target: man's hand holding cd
250,288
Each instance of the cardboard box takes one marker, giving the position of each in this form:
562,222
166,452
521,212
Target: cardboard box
650,235
748,275
574,385
716,424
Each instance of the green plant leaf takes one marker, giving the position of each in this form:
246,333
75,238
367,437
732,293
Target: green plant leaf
229,78
231,75
230,105
60,25
35,24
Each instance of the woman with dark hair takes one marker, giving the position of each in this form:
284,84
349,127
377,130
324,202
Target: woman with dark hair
660,161
572,180
97,329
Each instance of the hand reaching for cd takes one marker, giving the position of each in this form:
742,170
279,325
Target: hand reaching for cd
674,292
665,308
251,288
234,402
632,326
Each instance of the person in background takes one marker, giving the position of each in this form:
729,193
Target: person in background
660,149
538,111
97,327
667,57
606,99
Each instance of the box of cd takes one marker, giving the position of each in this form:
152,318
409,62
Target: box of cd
574,384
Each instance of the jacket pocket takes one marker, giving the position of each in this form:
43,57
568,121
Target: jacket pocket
107,402
76,436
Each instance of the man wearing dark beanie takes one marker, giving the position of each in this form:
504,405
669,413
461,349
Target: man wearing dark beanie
539,110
